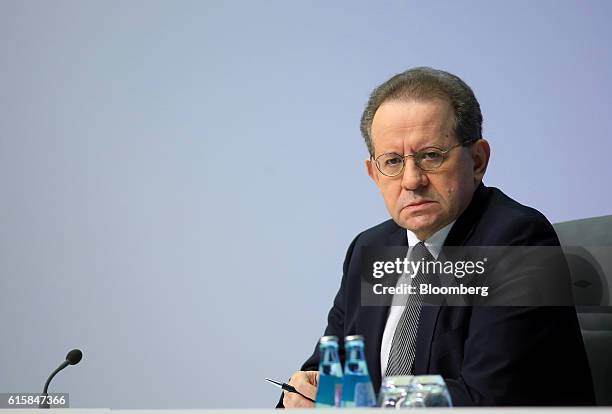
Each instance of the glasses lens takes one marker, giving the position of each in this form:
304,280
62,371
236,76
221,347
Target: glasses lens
430,158
390,164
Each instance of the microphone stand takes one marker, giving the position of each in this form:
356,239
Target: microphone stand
45,403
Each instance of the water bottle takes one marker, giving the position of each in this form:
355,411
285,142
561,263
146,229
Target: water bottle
357,389
329,392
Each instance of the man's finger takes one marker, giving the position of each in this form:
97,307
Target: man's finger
293,400
306,388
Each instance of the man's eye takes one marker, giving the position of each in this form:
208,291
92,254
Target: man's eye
392,162
431,156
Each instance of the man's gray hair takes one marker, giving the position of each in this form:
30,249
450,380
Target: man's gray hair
424,84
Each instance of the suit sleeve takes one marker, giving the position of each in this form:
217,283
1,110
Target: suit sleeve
335,319
519,355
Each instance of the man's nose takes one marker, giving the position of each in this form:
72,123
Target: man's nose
413,177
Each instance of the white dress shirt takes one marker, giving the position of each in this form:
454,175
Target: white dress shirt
434,245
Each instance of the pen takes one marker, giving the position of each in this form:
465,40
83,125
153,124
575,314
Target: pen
288,388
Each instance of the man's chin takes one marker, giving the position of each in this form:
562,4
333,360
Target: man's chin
421,226
418,222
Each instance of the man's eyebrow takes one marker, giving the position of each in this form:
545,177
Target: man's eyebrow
431,143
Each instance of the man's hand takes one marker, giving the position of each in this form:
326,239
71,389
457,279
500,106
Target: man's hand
305,382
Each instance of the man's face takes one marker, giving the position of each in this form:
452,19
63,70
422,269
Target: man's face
424,202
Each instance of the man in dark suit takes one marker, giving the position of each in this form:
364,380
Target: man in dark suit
423,129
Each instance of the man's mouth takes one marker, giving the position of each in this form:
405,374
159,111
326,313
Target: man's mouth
415,205
418,203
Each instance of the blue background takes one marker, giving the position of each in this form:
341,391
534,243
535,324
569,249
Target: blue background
179,180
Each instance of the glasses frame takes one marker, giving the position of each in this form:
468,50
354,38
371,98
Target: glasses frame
417,161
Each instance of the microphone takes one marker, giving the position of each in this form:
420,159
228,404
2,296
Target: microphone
73,358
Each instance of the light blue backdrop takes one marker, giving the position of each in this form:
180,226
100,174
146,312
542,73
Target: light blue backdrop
179,180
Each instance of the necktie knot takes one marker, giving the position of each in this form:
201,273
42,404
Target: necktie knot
421,252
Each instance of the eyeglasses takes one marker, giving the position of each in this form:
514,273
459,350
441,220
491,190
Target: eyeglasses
392,164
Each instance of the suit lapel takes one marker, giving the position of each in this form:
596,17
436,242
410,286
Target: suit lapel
427,325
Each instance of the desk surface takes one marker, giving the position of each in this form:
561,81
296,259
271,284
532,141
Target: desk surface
460,410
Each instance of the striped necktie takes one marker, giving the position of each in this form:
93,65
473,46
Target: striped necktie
403,344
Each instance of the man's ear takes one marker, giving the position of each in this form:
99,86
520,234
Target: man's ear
372,170
481,153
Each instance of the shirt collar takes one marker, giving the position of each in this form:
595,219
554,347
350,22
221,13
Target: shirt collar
435,242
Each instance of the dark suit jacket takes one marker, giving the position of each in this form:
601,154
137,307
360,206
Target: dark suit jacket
487,355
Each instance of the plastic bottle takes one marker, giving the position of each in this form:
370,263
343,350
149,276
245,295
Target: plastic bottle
357,389
329,391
